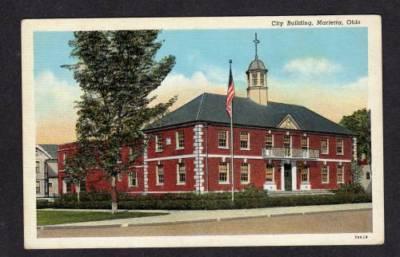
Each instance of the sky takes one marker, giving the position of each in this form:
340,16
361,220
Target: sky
325,70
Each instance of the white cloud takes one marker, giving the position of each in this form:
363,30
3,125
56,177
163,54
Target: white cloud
311,67
54,98
331,101
186,88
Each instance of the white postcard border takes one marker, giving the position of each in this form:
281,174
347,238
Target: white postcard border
372,22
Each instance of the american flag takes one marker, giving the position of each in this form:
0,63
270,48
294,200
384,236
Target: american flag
230,94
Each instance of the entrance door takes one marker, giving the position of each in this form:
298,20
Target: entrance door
288,177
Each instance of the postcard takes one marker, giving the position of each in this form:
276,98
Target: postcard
202,132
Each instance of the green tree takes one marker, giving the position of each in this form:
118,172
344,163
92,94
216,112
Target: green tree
117,70
359,122
77,165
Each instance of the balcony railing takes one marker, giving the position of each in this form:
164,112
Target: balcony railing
290,153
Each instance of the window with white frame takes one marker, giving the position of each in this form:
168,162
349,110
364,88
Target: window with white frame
132,179
254,78
324,174
223,139
160,174
324,145
244,173
131,156
223,173
268,141
179,137
269,173
304,175
304,143
37,166
244,140
339,146
159,143
340,174
37,187
286,144
261,79
181,173
64,158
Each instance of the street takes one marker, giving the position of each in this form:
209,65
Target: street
353,221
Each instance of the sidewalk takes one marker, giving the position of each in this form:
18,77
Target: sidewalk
211,215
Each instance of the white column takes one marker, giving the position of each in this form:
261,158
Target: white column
64,185
282,177
294,176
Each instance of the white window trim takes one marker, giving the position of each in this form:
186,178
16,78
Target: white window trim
308,177
248,141
273,175
130,179
158,183
327,171
177,147
227,140
248,174
227,182
37,167
156,139
342,153
327,146
177,174
64,158
337,168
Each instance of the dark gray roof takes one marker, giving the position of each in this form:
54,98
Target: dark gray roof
50,149
256,64
211,108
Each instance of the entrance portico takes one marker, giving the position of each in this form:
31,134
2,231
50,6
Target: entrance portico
288,176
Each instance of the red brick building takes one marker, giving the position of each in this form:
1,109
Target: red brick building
276,146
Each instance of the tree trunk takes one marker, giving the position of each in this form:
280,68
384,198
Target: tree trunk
78,191
114,195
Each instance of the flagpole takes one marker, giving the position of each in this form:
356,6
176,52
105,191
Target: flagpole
232,168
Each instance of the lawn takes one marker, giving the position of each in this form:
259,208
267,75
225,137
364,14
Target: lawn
60,217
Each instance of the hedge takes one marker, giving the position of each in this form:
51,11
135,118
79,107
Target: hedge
210,201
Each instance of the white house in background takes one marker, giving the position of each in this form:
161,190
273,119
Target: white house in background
46,170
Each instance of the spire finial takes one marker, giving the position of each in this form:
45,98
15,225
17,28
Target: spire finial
230,63
256,41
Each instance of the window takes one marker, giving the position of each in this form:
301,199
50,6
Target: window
304,143
244,140
269,173
268,141
244,173
133,181
340,174
324,174
131,156
324,146
304,175
286,144
339,146
37,166
368,175
181,173
261,79
37,187
254,77
223,173
222,139
179,140
160,174
159,143
64,158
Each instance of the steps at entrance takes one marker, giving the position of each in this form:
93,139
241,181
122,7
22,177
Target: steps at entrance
294,193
